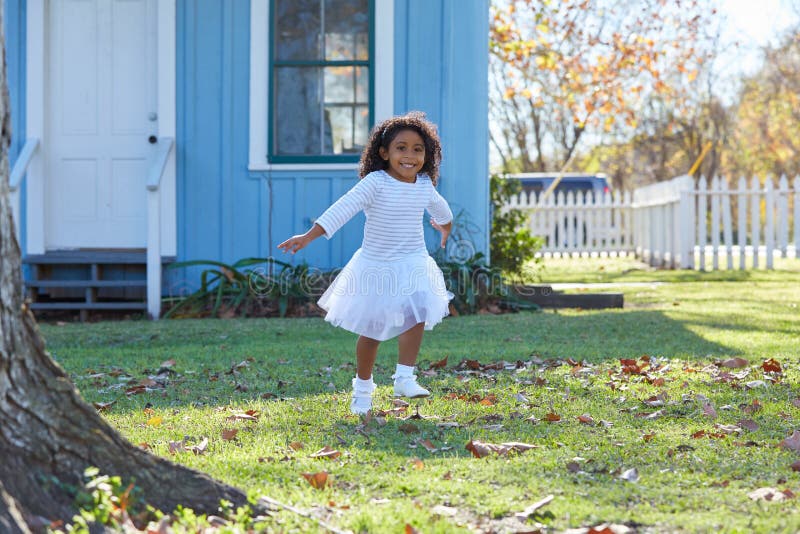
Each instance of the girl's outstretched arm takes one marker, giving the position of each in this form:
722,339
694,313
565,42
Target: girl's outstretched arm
444,229
297,242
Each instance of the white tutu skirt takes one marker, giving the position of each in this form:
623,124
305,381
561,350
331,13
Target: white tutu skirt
379,299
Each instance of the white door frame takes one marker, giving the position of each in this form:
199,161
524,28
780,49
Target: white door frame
36,113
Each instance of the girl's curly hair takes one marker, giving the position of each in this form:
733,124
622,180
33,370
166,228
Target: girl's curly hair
383,134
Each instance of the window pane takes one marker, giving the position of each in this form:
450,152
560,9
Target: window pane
362,85
339,84
297,112
298,29
346,30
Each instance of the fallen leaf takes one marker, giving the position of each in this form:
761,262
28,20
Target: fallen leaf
792,442
709,410
428,445
734,363
648,437
573,467
408,428
771,366
529,511
769,494
168,364
748,424
520,397
176,446
326,452
586,419
103,406
448,511
410,530
552,417
755,384
317,480
200,448
479,449
296,445
441,364
728,429
229,433
400,403
418,464
630,475
155,421
242,417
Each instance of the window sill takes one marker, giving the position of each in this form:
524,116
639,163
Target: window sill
263,166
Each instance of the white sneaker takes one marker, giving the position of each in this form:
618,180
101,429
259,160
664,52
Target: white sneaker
362,399
406,386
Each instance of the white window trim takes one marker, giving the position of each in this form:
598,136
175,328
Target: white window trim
36,126
383,62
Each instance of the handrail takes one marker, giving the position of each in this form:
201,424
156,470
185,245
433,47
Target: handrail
154,226
21,165
159,163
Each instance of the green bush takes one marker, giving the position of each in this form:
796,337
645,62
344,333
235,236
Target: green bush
512,245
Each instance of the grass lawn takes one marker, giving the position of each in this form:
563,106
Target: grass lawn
700,437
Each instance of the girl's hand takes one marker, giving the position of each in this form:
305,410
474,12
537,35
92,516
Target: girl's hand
444,229
294,243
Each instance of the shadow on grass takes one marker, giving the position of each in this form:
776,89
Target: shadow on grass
240,361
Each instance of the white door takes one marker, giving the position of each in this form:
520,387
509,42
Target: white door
101,97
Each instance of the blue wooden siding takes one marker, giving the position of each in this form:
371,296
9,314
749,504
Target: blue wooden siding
14,24
226,212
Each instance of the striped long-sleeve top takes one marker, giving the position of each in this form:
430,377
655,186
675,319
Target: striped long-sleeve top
394,211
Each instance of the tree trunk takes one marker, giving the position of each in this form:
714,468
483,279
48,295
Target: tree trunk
48,434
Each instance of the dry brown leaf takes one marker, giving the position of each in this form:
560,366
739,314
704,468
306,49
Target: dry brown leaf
428,445
748,424
586,419
296,445
317,480
242,417
326,452
792,442
169,363
441,364
417,464
552,417
229,433
709,410
771,366
410,530
103,406
408,428
733,363
479,449
200,448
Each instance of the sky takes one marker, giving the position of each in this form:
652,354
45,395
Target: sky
754,24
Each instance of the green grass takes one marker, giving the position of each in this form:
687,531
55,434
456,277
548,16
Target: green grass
617,269
298,374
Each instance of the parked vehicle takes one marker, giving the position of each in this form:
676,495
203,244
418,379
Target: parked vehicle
567,231
537,182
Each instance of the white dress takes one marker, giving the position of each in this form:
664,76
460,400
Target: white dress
391,283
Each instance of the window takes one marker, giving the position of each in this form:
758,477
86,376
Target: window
321,80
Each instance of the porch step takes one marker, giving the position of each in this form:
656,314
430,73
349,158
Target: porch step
79,306
88,281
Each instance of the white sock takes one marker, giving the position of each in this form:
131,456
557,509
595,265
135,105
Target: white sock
363,385
402,371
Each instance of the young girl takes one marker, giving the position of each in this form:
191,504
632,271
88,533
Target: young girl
391,286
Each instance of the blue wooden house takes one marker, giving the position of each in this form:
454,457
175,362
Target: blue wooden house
148,131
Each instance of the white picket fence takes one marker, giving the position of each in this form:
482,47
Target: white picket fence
681,223
582,222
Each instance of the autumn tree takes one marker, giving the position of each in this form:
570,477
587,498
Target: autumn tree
48,434
767,137
562,71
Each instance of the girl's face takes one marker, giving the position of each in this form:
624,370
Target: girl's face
405,155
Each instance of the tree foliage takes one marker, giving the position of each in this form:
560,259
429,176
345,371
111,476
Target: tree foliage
567,69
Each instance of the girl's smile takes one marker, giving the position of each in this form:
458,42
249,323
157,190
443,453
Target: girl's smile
406,156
